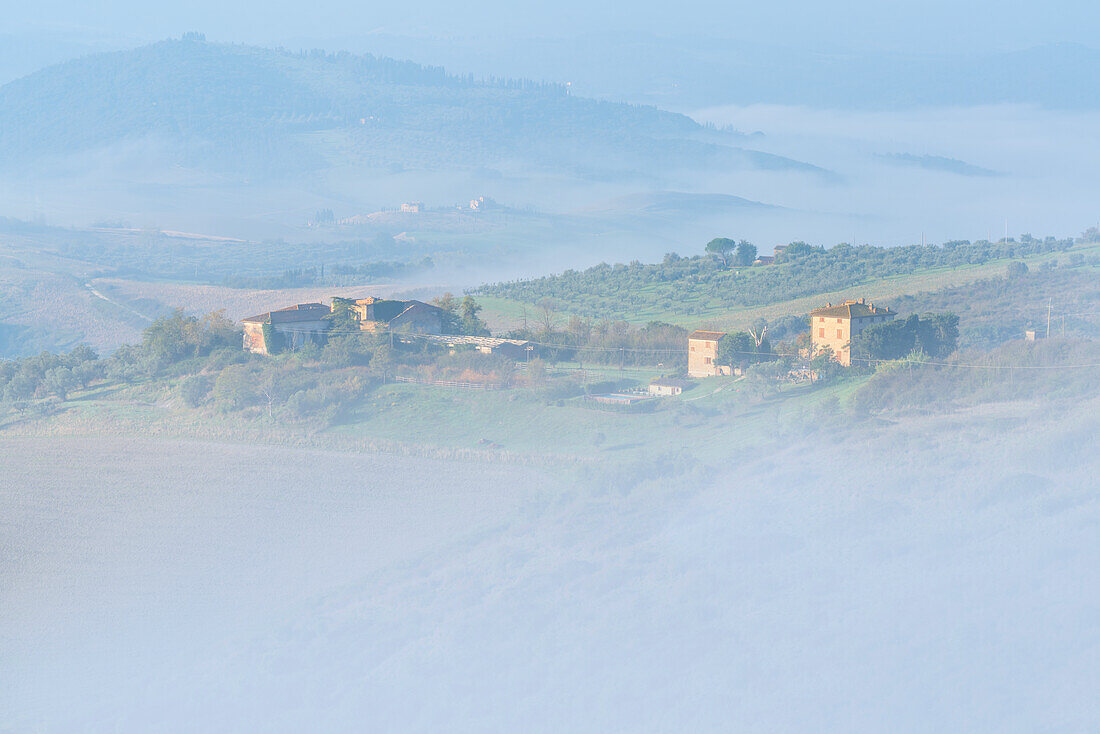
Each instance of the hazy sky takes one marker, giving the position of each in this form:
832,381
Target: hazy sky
932,25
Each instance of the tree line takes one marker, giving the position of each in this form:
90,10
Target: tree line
720,279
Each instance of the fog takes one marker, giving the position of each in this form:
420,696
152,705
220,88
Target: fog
388,515
933,575
1040,162
940,174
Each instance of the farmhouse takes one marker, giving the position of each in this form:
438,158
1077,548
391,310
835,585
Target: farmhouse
833,327
702,352
286,328
379,314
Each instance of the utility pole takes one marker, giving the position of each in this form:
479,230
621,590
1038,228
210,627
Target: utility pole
1050,303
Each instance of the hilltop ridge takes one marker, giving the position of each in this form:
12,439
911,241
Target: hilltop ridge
246,110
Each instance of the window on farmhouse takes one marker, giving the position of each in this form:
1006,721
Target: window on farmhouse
840,333
821,332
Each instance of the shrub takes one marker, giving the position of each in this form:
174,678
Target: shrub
193,390
234,389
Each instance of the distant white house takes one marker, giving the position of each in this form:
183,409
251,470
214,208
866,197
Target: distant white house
667,387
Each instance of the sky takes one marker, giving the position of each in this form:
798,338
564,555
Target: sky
930,25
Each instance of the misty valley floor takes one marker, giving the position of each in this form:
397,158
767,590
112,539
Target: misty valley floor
933,574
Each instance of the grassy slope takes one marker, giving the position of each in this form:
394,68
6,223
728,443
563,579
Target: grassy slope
707,422
503,314
520,424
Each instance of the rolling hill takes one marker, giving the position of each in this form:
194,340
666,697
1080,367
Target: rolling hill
246,110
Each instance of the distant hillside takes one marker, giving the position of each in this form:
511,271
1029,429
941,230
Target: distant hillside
677,204
937,163
239,108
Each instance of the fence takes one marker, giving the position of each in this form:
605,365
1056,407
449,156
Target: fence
449,383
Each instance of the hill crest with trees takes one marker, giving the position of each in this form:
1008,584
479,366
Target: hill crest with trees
246,109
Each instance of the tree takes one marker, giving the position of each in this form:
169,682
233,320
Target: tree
384,360
60,382
194,390
548,311
938,334
471,324
452,323
179,336
218,332
80,354
721,247
824,366
746,253
345,350
87,371
343,317
736,349
580,329
234,388
892,340
798,249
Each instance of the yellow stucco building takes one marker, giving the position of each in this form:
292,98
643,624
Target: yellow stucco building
833,327
702,351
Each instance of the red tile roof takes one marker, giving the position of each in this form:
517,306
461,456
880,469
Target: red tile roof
290,314
852,310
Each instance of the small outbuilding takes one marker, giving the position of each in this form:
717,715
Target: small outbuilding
667,387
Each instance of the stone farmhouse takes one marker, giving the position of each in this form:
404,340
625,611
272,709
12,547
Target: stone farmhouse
293,326
833,327
380,314
702,351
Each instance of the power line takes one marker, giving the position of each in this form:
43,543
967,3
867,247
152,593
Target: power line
866,360
980,366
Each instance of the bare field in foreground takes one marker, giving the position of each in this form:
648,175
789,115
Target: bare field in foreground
153,582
